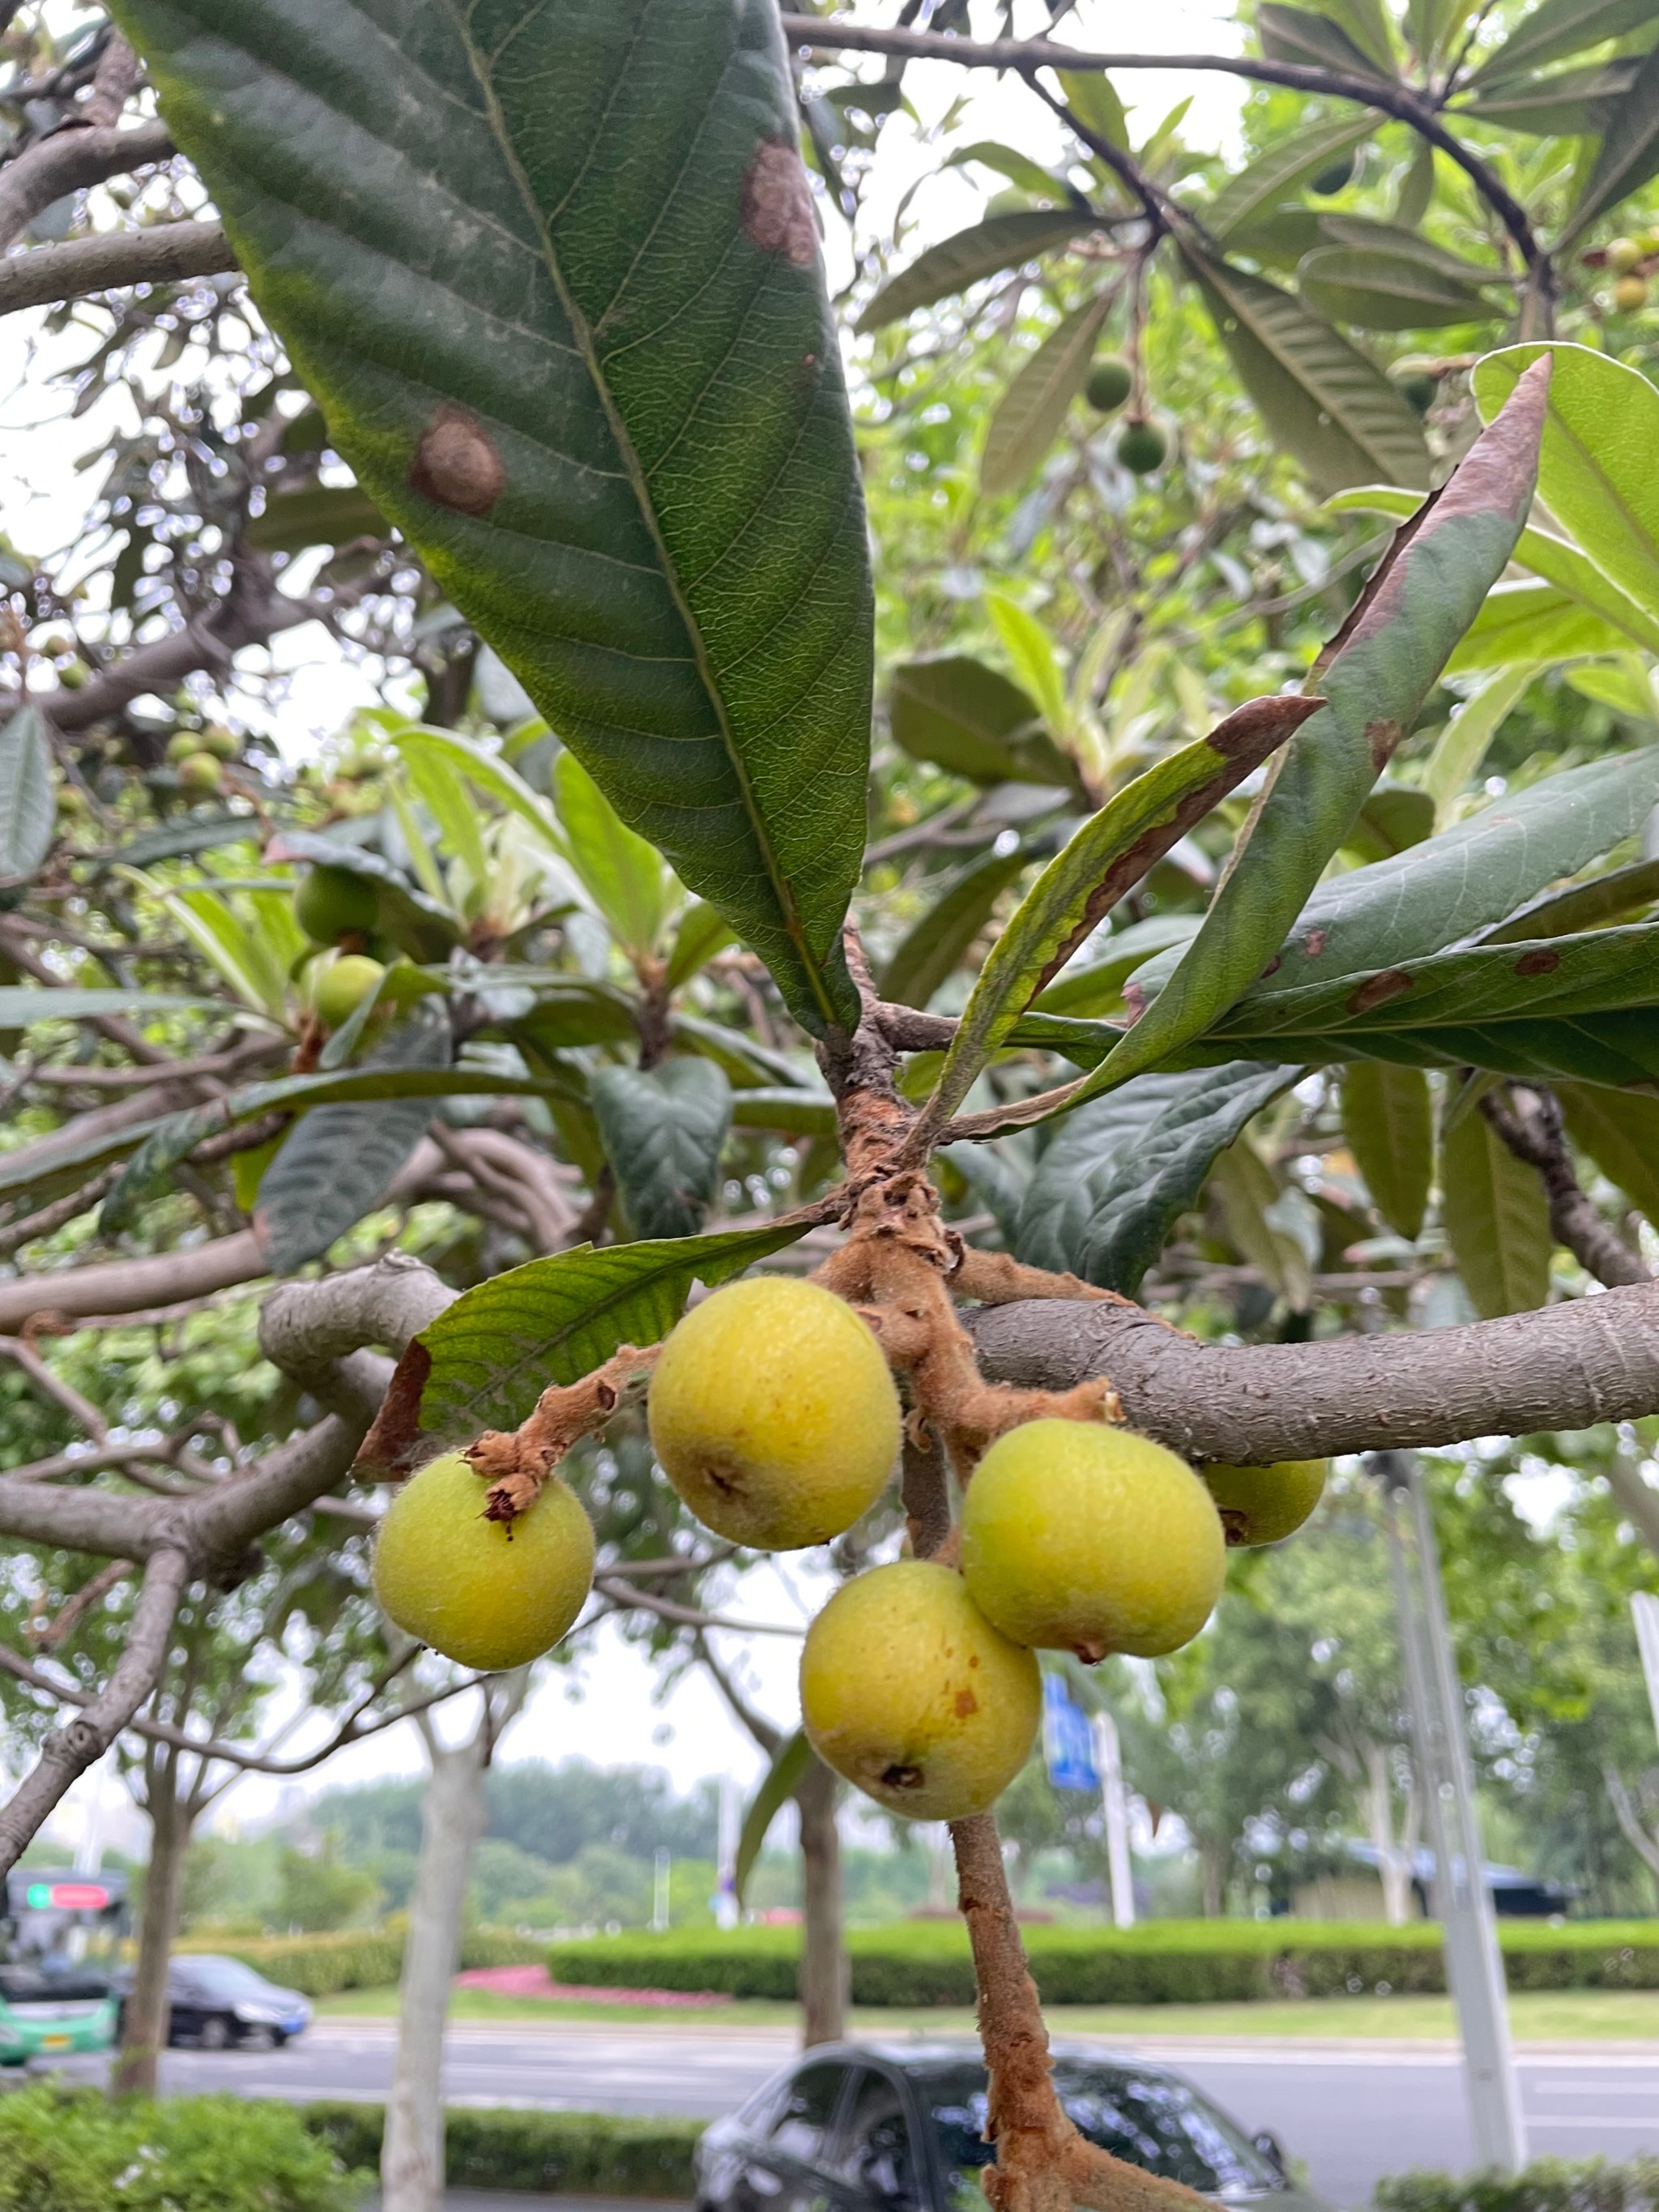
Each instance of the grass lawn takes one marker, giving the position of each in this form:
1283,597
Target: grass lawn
1544,2016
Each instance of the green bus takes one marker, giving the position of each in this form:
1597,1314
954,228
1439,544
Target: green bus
57,1950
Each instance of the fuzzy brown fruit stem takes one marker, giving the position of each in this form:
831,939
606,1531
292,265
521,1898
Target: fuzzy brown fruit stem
517,1463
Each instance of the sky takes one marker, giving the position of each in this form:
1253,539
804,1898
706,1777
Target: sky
607,1707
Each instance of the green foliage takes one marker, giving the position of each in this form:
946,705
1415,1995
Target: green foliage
560,2154
663,1130
71,2150
323,1964
1546,2184
1497,1217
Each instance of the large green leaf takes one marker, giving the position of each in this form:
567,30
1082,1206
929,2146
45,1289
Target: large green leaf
1001,241
21,1003
1031,411
484,1361
663,1128
1576,103
338,1163
1105,859
1386,291
1257,189
196,833
1366,234
1376,679
1595,470
1479,871
1096,987
1297,34
963,716
26,801
789,1767
1387,1118
1527,622
1122,1170
1560,28
553,273
1319,397
1619,1130
1618,1049
1434,24
936,941
1628,154
622,872
1615,893
1496,1218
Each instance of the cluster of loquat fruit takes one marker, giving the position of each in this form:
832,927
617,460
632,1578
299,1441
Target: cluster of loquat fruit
773,1413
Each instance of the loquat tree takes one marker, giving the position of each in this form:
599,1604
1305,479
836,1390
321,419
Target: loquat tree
547,283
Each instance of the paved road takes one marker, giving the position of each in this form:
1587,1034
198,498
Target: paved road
1354,2112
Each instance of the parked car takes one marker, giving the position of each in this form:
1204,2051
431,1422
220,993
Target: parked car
214,2002
53,2015
900,2128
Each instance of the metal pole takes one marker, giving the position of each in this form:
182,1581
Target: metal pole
1475,1965
1108,1760
725,1885
660,1892
1645,1611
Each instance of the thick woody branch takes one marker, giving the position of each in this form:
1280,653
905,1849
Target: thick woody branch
68,1752
127,1286
70,161
310,1329
170,253
1565,1366
1530,1123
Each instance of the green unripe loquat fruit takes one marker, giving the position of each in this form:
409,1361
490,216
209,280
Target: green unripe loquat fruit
774,1415
330,903
1265,1504
1630,294
1142,447
220,742
1077,1537
1625,254
1111,382
199,771
339,986
489,1594
71,799
909,1692
1334,177
182,744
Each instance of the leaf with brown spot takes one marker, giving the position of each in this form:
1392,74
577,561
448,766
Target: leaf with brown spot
590,371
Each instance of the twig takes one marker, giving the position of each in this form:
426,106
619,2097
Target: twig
1530,1123
688,1616
70,160
80,266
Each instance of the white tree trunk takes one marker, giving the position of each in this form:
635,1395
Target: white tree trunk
452,1814
1394,1860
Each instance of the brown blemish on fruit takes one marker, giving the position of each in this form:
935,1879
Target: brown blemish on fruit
1540,961
901,1777
456,463
1376,990
1235,1526
1090,1654
775,205
967,1702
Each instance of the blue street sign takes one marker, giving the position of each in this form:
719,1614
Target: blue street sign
1067,1744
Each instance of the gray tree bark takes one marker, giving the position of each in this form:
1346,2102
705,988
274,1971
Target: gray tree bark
825,1972
144,2030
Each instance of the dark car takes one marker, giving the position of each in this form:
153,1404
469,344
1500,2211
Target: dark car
900,2128
213,2003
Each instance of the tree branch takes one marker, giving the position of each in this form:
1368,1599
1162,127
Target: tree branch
78,155
1402,101
126,1286
68,1753
1565,1366
1530,1123
84,265
1645,1846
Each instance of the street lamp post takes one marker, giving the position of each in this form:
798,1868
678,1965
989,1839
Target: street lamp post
1475,1965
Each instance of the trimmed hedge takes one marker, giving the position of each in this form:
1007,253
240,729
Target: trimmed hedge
1549,2185
577,2154
359,1959
1162,1962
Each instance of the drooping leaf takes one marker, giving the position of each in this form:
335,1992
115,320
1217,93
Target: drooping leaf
1366,22
1366,234
702,933
1031,411
936,941
1106,859
1096,988
1628,154
419,923
663,1128
1001,241
1386,291
1297,34
664,542
1031,646
21,1003
1497,1220
339,1161
1615,893
1318,396
1250,1195
1560,28
169,841
797,1113
1092,97
1433,25
1375,678
1532,622
1258,189
963,716
26,800
789,1767
1018,168
1595,471
1387,1118
1122,1170
327,514
622,873
1619,1130
485,1360
1576,103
